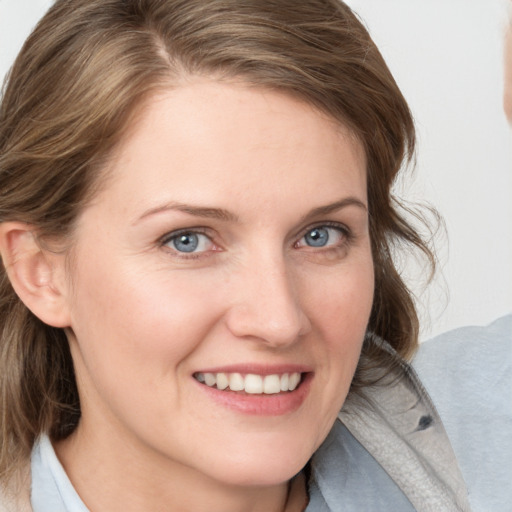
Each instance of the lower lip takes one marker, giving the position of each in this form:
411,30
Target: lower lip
261,404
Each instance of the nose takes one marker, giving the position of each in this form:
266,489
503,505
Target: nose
266,305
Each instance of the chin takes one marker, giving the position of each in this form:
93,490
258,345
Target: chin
263,463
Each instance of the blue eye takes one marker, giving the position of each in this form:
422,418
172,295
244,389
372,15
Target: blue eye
189,242
318,237
323,236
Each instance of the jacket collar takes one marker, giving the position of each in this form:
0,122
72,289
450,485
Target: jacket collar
397,423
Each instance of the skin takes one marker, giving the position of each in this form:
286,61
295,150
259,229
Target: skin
143,317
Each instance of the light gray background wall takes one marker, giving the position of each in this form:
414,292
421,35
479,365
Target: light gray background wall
447,59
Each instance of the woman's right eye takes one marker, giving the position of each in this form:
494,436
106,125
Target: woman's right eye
189,242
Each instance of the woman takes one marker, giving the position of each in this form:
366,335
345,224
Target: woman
197,232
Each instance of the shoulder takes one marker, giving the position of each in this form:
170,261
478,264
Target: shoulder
466,346
469,370
468,374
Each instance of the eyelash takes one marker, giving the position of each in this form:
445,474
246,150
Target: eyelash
344,231
168,238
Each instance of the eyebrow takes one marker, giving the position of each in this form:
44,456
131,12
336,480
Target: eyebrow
197,211
334,207
227,216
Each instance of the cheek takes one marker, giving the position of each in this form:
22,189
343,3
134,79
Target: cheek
340,309
131,322
340,312
343,303
344,310
133,343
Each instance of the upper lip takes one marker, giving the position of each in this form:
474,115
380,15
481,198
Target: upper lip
258,369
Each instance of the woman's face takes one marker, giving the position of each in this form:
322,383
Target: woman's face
228,254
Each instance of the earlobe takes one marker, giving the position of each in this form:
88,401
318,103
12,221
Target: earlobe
36,274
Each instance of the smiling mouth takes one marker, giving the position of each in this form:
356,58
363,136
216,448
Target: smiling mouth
251,383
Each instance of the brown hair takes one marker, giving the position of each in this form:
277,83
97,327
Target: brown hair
71,92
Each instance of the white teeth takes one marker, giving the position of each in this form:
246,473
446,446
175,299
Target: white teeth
294,381
210,379
284,382
252,383
271,384
222,381
236,382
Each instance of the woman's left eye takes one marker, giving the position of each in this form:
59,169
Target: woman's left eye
323,236
189,242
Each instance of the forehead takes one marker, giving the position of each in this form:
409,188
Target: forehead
210,139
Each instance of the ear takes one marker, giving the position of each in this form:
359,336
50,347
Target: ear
36,274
